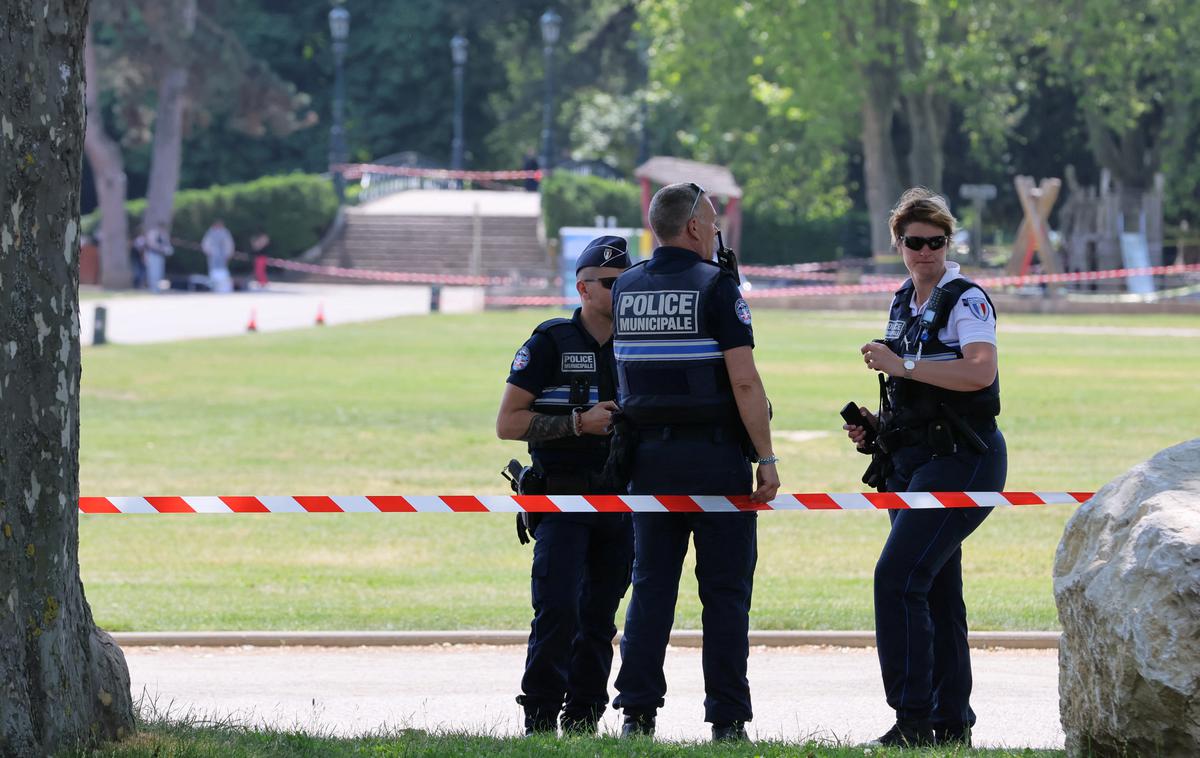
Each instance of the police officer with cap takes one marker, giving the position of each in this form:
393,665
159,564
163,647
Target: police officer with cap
688,383
936,431
560,398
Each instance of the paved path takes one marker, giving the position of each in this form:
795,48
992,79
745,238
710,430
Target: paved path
825,693
180,316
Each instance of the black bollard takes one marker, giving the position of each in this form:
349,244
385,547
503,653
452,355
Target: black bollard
98,326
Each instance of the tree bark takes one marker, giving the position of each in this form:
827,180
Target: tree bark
880,172
62,681
108,175
167,152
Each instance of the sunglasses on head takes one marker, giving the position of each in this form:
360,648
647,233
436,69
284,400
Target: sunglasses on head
605,281
916,243
699,194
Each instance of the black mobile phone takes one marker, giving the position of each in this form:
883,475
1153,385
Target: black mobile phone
854,416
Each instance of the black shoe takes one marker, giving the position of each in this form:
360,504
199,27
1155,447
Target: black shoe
731,732
959,734
540,722
638,725
580,724
906,734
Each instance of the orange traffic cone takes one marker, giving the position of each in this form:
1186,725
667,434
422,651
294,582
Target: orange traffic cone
253,325
321,314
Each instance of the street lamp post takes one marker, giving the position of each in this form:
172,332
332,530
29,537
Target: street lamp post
643,106
339,30
458,53
551,25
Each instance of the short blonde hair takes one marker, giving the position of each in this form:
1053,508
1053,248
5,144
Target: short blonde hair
920,204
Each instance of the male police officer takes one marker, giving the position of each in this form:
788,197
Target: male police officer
688,383
559,398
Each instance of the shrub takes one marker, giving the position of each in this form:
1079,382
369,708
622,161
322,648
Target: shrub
574,200
294,210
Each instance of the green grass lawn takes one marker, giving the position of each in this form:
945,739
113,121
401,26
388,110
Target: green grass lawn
408,406
183,740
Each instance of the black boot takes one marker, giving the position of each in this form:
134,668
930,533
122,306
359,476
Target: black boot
536,723
735,731
906,734
585,722
957,734
638,725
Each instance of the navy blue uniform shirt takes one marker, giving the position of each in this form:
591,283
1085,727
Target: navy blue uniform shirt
727,314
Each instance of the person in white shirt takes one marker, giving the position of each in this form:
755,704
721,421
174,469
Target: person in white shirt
936,431
217,245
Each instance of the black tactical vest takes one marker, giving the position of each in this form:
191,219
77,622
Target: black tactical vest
914,403
670,369
579,382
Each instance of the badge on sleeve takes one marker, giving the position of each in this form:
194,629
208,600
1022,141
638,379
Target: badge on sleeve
742,310
978,307
521,359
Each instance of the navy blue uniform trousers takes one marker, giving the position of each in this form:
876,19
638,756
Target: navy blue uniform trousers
920,617
726,553
581,565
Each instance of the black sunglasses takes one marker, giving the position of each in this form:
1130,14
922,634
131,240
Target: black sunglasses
916,243
605,281
699,194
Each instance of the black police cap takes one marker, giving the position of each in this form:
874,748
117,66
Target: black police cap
604,252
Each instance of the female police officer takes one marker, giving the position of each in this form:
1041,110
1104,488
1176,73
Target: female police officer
936,431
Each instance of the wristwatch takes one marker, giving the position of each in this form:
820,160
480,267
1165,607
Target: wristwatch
909,365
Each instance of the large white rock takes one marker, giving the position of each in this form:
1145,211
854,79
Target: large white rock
1127,585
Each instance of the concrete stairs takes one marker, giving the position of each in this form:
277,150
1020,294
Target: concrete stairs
441,244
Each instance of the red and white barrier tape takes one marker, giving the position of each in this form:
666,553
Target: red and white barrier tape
354,171
986,281
389,276
850,501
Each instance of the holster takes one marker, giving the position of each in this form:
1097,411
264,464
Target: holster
622,445
878,471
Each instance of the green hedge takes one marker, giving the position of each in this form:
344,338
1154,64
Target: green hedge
768,238
295,210
573,200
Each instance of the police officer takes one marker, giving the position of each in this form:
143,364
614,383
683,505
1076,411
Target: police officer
936,432
688,383
559,398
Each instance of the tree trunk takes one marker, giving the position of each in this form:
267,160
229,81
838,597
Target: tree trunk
880,172
926,111
108,174
167,151
62,681
928,116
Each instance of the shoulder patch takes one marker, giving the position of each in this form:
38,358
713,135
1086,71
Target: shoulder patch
978,307
521,359
742,309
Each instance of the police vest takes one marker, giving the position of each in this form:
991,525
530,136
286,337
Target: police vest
914,402
670,369
576,384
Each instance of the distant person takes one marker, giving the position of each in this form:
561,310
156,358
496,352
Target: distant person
157,248
260,247
530,164
217,245
936,432
137,261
